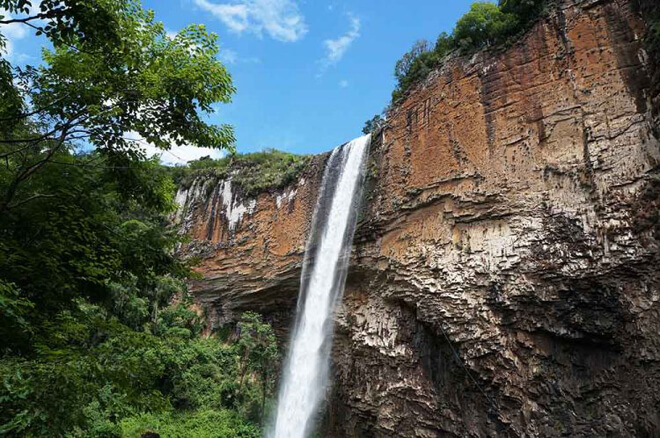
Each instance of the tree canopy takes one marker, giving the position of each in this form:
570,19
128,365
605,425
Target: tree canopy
114,78
98,336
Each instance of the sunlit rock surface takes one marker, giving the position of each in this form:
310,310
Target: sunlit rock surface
504,279
251,249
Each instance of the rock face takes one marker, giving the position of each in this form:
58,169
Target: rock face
251,250
504,279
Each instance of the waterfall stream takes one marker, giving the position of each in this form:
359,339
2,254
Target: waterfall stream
305,375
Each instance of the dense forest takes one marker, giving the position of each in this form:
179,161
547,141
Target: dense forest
98,338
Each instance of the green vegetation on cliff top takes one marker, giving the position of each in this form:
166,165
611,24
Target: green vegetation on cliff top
253,172
485,25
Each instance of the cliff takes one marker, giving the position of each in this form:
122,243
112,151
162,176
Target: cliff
504,276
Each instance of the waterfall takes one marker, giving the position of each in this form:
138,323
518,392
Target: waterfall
305,375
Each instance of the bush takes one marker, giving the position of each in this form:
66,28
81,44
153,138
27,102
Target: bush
373,124
484,25
526,11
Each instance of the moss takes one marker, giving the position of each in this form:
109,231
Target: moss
253,173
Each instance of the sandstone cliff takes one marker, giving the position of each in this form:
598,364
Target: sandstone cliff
504,279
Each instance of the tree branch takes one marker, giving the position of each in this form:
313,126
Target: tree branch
25,174
37,111
31,198
7,154
43,15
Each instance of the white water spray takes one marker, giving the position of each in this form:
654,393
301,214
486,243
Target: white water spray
305,375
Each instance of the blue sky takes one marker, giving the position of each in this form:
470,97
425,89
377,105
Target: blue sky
308,73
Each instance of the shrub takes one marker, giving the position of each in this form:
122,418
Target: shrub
91,372
373,124
526,11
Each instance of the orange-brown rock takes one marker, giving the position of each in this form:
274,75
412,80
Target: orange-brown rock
250,249
504,279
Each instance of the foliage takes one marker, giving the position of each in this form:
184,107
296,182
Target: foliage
68,22
373,124
257,348
526,11
253,172
83,235
201,424
13,312
87,281
93,337
97,335
486,24
404,65
94,376
114,77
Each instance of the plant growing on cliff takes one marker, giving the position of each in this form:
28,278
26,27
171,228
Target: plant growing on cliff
373,124
485,24
252,173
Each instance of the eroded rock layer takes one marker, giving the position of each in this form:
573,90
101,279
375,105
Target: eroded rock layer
251,249
504,279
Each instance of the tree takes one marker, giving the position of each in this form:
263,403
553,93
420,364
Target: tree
483,25
113,79
91,343
257,348
86,237
526,10
403,65
373,124
444,44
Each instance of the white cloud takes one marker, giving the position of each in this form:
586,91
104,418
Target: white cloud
281,19
343,83
335,49
183,154
228,56
177,155
12,32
